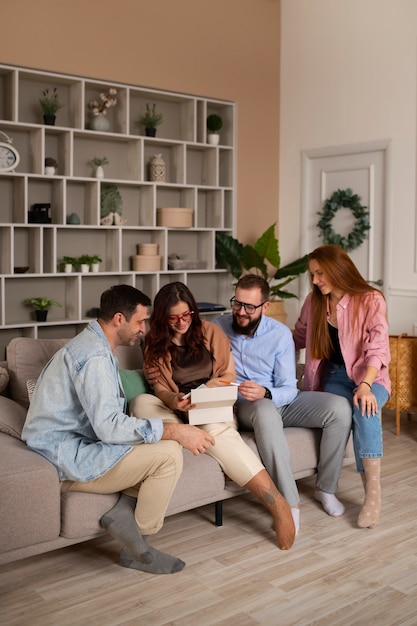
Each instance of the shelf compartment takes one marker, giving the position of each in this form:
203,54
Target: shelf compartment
82,198
31,86
210,287
228,210
116,115
8,80
130,240
123,154
137,204
174,157
18,289
27,244
13,199
47,190
92,287
6,265
75,241
202,166
226,173
175,197
209,208
226,111
59,330
178,114
28,141
58,146
192,245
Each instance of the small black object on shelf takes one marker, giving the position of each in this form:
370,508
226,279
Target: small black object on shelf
40,213
209,307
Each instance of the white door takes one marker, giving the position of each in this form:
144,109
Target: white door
362,168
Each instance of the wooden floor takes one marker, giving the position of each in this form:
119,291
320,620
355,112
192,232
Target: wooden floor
335,574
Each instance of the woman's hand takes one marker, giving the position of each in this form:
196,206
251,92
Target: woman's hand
364,400
182,402
151,373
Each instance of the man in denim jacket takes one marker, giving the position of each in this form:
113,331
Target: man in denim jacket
77,420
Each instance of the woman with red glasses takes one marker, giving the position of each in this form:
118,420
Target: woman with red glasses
190,351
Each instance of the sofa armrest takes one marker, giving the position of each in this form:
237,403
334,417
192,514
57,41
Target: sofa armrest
12,417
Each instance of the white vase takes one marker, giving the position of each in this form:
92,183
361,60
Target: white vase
99,171
49,170
95,267
84,268
68,268
213,139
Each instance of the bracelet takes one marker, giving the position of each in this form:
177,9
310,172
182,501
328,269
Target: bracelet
364,381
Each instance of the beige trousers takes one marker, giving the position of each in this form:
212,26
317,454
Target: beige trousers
148,472
233,455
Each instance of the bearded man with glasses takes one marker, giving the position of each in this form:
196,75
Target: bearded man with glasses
269,400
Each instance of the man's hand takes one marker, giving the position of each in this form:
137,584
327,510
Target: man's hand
251,391
194,439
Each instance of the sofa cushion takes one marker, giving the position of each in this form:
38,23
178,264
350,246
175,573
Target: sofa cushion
29,496
12,417
133,383
4,379
26,358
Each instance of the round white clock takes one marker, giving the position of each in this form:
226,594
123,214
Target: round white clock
9,156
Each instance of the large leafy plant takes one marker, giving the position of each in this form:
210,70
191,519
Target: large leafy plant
261,258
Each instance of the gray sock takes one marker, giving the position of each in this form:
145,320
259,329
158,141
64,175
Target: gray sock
120,522
161,563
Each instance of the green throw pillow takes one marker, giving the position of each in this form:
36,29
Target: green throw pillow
133,383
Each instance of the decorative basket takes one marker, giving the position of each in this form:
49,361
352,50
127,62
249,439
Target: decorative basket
403,374
146,263
174,218
186,264
147,249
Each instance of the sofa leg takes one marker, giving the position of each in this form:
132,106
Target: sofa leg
218,513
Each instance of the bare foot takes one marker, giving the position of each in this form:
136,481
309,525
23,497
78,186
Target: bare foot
284,525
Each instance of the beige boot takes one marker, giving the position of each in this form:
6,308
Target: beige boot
369,514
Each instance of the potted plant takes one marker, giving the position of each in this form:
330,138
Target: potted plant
261,258
41,306
50,104
67,264
150,120
85,261
98,163
214,124
50,166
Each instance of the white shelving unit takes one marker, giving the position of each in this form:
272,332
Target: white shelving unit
198,176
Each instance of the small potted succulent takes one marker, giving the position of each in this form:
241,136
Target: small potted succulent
50,104
150,120
214,124
51,166
41,306
98,163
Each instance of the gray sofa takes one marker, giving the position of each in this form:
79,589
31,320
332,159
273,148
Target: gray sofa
35,517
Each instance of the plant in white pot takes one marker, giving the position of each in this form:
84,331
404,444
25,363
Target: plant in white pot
86,261
214,125
67,264
41,306
261,258
98,163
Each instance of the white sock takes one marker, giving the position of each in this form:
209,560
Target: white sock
330,503
295,512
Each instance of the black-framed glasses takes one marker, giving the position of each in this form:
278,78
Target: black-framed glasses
175,319
249,308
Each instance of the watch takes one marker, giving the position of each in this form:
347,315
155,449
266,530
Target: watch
268,394
9,156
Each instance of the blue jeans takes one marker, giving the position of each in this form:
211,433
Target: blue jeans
367,431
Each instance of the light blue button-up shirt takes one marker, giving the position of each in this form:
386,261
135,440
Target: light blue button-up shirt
267,357
77,416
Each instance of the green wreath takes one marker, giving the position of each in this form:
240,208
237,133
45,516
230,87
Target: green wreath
349,200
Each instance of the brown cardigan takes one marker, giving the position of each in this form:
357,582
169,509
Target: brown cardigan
218,345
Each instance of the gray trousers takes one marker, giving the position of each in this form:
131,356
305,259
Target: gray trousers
310,409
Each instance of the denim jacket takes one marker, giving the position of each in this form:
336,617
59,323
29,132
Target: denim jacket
77,417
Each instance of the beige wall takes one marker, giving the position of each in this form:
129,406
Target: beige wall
348,75
220,48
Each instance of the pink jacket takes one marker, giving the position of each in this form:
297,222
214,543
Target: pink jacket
368,346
